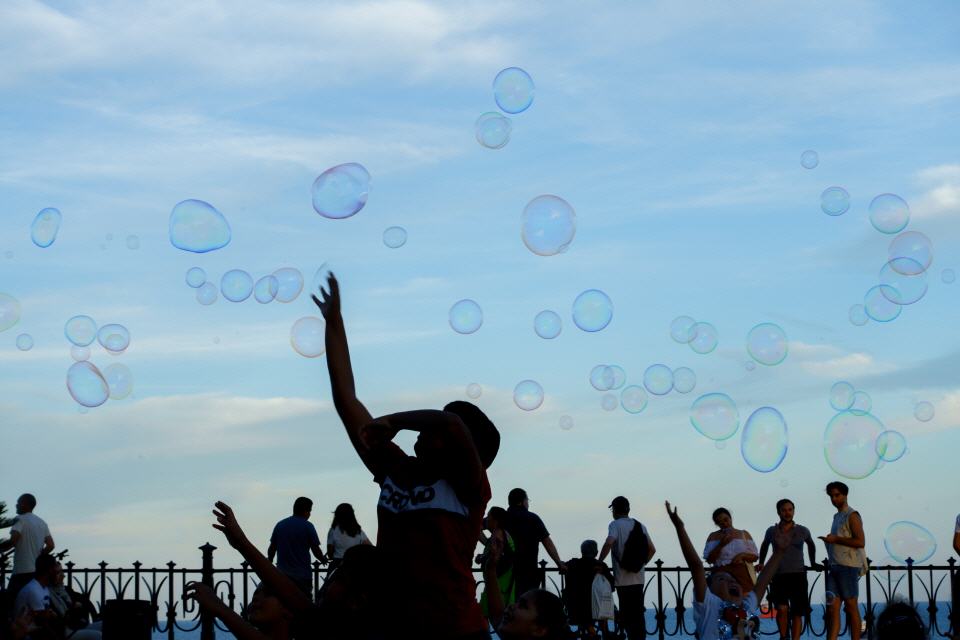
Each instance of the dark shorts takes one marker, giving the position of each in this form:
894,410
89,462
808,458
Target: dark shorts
791,590
843,582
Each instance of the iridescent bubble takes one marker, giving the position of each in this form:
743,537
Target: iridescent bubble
763,443
948,276
849,444
493,130
834,201
307,336
198,227
465,316
547,324
905,540
24,342
633,399
877,304
341,191
46,224
889,213
891,446
236,285
923,411
266,289
915,246
394,237
704,338
133,243
196,277
79,353
289,284
681,329
80,330
858,315
87,385
767,344
207,293
548,225
658,379
684,380
113,337
528,395
901,288
616,375
715,415
592,310
566,423
809,159
608,402
601,377
474,390
513,90
119,381
9,311
861,403
841,395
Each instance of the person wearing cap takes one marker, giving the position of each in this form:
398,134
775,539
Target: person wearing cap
629,584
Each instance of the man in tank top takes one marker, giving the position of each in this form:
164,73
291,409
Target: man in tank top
847,562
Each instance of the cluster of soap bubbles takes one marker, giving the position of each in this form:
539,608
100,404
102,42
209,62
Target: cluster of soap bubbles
592,311
658,380
764,439
236,285
702,337
513,93
87,384
856,443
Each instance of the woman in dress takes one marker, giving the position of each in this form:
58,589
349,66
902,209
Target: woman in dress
731,550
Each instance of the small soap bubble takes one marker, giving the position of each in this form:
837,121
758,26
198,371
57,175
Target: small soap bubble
841,395
749,365
913,245
658,379
566,423
889,213
608,402
705,338
465,316
547,324
474,390
715,415
87,385
394,237
905,281
809,159
877,304
266,289
861,403
616,375
834,201
684,380
114,337
341,191
681,329
858,315
207,293
548,225
948,276
767,344
133,243
602,377
592,310
891,446
196,226
45,226
119,381
236,285
633,399
528,395
493,130
289,284
923,411
79,354
80,330
24,342
196,277
9,311
905,540
513,90
849,444
307,336
763,443
720,445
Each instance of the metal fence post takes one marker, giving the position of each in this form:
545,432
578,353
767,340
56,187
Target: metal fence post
868,616
206,572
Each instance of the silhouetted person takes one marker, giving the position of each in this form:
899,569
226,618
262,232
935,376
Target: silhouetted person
345,533
528,533
431,504
900,621
506,579
731,550
848,562
629,583
578,591
789,591
292,540
29,537
35,596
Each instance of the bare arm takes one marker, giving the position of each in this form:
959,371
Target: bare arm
48,544
552,552
652,552
781,542
956,541
856,541
271,551
318,554
764,547
812,551
690,556
607,547
722,540
491,586
207,599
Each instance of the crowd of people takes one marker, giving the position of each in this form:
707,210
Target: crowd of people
417,581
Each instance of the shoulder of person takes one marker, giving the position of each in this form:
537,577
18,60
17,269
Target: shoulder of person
716,535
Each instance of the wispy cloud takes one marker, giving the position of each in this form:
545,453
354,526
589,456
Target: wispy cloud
827,361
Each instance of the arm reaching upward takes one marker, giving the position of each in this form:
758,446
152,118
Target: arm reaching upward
781,542
207,599
491,586
689,555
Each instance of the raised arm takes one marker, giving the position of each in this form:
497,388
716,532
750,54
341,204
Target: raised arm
207,599
689,555
781,542
491,586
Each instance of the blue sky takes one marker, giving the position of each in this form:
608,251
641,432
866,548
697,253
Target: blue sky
675,131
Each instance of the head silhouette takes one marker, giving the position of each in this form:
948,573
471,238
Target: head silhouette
486,437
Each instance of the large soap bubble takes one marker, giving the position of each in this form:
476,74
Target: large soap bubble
681,329
394,237
592,310
548,225
493,130
45,226
809,159
913,245
889,213
528,395
289,284
849,444
195,277
115,338
80,330
513,90
119,380
266,289
658,379
236,285
9,311
877,303
923,411
24,342
763,443
547,324
307,336
905,540
465,316
87,385
704,339
684,379
198,227
341,191
834,201
905,281
767,343
633,399
841,395
715,415
891,446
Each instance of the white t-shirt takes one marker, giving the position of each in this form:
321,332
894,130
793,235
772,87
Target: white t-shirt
620,530
33,531
33,596
341,541
707,614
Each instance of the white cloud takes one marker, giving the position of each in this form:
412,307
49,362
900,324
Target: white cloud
942,195
827,361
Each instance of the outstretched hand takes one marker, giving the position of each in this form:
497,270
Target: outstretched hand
204,595
674,516
378,432
329,300
227,523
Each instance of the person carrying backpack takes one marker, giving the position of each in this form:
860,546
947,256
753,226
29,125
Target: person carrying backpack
632,549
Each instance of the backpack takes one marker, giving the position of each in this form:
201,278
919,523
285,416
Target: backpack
635,550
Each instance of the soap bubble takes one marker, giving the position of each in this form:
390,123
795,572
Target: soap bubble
79,353
45,226
749,365
658,379
763,443
394,237
528,395
720,445
196,277
9,311
608,402
834,201
592,310
474,390
889,213
289,284
704,338
465,316
493,130
633,399
948,276
904,539
115,338
80,330
548,225
133,243
119,381
86,384
681,329
923,411
891,446
198,227
266,289
902,288
858,315
547,324
236,285
684,380
24,342
849,444
616,375
513,90
207,293
767,344
602,377
809,159
913,245
715,415
307,336
566,423
841,395
861,403
878,306
341,191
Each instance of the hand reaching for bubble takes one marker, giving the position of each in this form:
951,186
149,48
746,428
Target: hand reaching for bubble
329,301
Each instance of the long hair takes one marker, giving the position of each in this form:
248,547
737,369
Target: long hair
346,520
